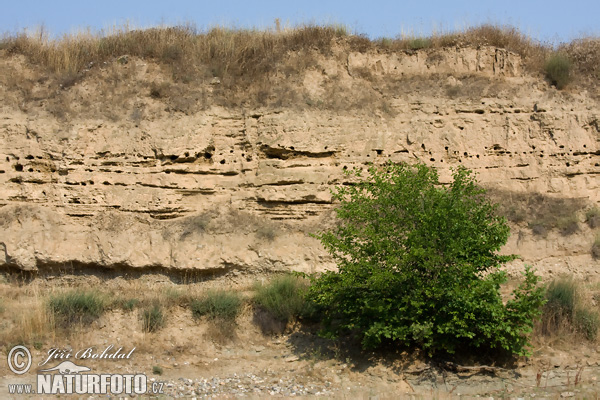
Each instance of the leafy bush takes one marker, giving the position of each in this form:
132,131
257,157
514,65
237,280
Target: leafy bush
152,318
558,70
77,306
217,304
418,265
283,297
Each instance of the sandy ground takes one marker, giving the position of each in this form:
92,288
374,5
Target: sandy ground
198,358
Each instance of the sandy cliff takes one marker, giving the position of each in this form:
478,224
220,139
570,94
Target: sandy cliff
116,172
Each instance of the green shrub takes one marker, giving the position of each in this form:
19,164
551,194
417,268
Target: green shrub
283,297
418,265
558,70
217,304
592,217
77,306
153,318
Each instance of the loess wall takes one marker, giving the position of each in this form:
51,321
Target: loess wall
109,173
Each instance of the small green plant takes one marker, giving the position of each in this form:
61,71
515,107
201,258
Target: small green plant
153,318
217,304
157,370
592,217
77,306
283,297
558,70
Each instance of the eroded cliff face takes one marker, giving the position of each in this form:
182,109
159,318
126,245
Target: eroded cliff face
237,190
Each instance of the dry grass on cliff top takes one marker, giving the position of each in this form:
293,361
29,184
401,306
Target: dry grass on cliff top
241,56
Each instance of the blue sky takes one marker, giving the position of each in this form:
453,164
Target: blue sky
554,21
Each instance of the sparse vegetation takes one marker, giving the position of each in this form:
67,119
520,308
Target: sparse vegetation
419,266
558,70
126,303
152,317
217,304
77,306
541,213
266,232
239,63
568,225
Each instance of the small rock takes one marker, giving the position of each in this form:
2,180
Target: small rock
567,394
291,359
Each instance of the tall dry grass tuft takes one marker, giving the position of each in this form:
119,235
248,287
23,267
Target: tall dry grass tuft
236,54
27,320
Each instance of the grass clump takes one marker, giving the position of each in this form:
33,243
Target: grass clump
126,303
592,217
558,70
217,304
568,225
283,297
596,248
77,306
153,318
566,310
587,322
